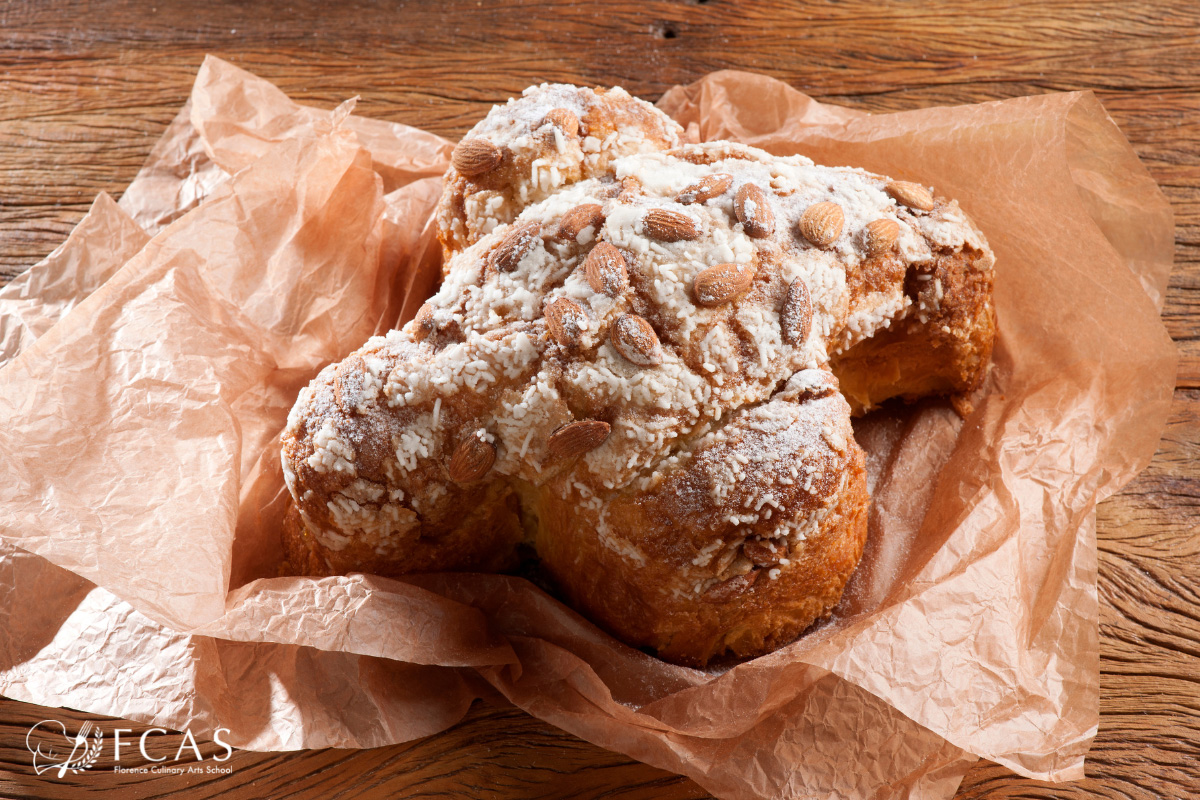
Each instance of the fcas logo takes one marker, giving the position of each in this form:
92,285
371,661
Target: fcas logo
57,752
54,749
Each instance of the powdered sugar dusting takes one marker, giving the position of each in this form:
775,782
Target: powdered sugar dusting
709,408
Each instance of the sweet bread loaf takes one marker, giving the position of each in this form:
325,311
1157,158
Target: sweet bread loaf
642,361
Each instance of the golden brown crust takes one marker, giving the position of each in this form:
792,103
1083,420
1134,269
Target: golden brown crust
701,585
483,539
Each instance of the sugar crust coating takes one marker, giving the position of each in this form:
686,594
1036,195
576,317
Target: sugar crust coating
538,157
633,364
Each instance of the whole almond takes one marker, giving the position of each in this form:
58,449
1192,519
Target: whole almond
636,341
913,195
813,384
579,218
722,283
562,118
705,189
424,321
577,438
605,270
880,236
515,244
472,459
753,211
566,321
731,587
666,225
797,313
474,157
761,553
821,223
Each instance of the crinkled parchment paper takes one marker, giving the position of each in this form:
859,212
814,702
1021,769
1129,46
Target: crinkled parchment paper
152,359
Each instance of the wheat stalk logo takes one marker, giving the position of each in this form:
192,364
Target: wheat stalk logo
83,752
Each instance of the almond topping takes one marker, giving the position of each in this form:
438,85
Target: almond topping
815,388
514,246
562,118
566,321
797,313
761,553
731,587
577,438
821,223
578,219
913,195
705,189
636,341
666,225
472,459
424,321
753,211
474,157
880,236
723,282
605,270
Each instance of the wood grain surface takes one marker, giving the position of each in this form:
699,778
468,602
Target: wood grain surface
86,89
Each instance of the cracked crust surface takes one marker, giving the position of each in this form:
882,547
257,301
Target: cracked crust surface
715,501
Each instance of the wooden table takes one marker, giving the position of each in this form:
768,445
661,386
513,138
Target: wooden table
86,88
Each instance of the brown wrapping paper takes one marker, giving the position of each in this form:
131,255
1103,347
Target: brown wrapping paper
142,483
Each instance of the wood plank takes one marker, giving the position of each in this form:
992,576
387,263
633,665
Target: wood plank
86,88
